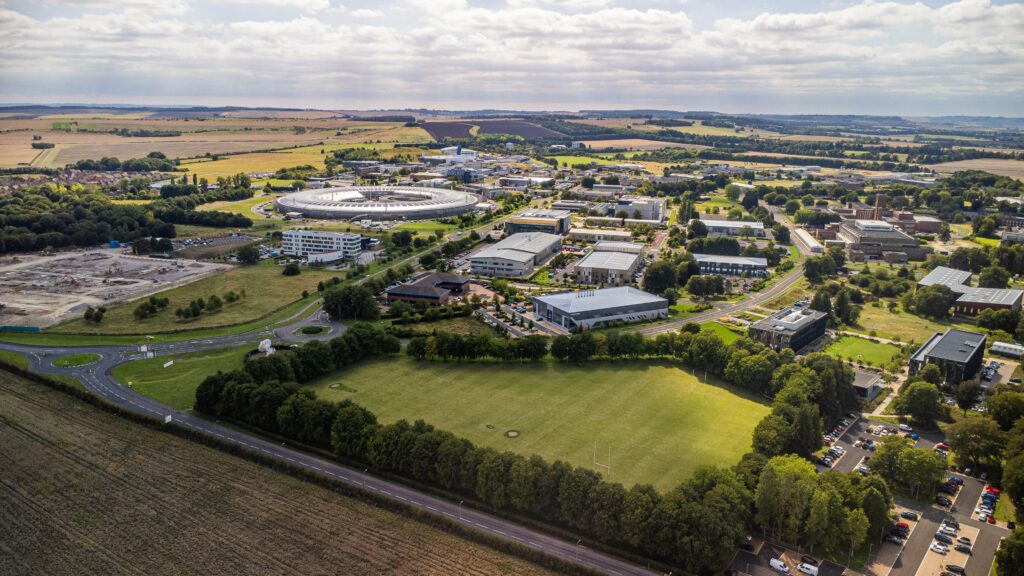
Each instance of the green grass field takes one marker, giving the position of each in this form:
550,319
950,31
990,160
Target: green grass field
469,326
727,335
176,384
266,290
14,358
76,360
659,421
900,325
861,350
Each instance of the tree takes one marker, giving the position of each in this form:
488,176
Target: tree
1010,556
697,229
659,277
817,268
1006,408
732,192
921,401
976,441
353,302
1013,480
967,394
846,312
249,254
291,269
994,277
792,206
822,302
932,301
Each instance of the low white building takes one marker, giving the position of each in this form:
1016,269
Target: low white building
607,268
319,242
598,235
515,256
615,246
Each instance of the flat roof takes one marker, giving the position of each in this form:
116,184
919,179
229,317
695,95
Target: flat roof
522,247
609,260
749,260
619,233
998,296
543,214
591,300
605,245
789,320
954,345
733,224
945,276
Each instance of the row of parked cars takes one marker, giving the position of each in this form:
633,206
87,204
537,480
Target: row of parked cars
949,488
832,456
987,507
947,536
808,565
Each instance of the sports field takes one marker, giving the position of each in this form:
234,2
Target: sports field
862,350
659,421
266,290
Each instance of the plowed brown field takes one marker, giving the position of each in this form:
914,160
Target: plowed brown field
85,492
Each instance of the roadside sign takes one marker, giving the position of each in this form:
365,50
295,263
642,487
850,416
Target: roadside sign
168,364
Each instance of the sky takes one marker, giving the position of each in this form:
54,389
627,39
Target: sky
930,57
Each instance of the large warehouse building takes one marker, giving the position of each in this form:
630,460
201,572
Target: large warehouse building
878,239
378,202
594,308
515,256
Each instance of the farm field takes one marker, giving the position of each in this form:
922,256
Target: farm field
1011,168
581,160
176,385
659,421
86,492
861,350
638,144
266,290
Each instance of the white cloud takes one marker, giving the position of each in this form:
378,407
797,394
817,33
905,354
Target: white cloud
526,53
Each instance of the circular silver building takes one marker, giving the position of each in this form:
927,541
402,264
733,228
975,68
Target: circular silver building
378,202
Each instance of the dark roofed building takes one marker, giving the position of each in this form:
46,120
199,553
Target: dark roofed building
789,328
434,288
957,353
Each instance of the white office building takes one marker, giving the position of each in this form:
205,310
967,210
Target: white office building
607,268
318,242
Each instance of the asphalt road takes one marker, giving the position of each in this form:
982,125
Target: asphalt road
97,377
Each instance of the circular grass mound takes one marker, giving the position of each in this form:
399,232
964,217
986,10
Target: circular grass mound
76,360
312,330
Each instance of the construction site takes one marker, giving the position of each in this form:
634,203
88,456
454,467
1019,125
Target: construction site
42,290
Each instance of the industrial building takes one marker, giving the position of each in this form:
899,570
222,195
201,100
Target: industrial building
878,239
957,353
594,308
1007,349
318,245
971,300
607,268
731,265
789,328
734,227
515,256
549,221
599,235
434,288
812,244
613,246
635,207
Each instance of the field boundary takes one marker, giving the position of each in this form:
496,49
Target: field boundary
502,545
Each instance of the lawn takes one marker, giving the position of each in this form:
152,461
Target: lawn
467,326
900,325
862,350
727,335
659,421
14,359
76,360
266,291
176,384
427,226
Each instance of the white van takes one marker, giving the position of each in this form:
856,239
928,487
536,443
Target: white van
779,566
807,569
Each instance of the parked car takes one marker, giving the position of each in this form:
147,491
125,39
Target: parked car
894,539
905,428
940,537
939,548
991,520
947,489
963,540
962,548
947,530
943,501
806,559
953,479
778,565
902,525
956,569
909,515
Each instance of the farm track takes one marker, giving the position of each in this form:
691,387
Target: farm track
86,492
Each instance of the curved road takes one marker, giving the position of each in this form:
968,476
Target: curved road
97,377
